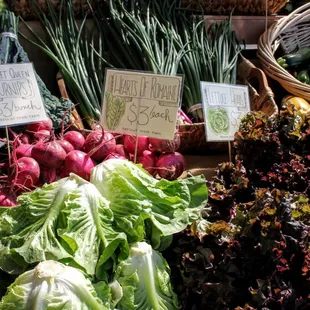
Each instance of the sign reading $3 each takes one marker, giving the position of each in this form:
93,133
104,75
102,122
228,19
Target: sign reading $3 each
141,103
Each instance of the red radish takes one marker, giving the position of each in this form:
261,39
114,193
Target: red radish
21,138
148,161
152,148
42,135
43,125
119,149
61,173
49,154
79,163
75,138
28,172
7,199
130,144
101,144
25,138
67,146
24,150
166,146
115,155
170,166
48,175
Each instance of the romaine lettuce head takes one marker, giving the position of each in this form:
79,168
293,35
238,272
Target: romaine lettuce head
142,203
52,286
145,279
67,221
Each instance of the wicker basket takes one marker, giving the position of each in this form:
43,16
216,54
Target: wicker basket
243,7
290,33
193,138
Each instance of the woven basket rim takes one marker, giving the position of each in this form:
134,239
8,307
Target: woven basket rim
193,124
268,44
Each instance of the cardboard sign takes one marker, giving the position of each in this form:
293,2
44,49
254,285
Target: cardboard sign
141,103
224,106
20,98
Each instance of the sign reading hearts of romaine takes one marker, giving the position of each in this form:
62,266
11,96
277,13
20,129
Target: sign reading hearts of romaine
224,106
141,103
20,98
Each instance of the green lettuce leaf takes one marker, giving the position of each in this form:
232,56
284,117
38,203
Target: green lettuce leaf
67,221
145,279
137,198
28,232
52,286
88,225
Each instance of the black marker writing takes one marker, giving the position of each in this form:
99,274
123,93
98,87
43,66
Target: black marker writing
146,114
19,74
7,109
125,87
163,92
16,89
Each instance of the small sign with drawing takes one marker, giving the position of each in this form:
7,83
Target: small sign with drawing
224,106
141,103
20,98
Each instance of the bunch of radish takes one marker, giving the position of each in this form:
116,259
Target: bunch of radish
157,156
39,157
36,157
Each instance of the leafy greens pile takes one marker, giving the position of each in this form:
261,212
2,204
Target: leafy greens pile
250,249
65,221
149,206
89,226
275,152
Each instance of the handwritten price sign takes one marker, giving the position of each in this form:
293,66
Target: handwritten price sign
141,102
20,99
224,106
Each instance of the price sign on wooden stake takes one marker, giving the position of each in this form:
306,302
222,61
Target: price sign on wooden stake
20,98
141,102
224,106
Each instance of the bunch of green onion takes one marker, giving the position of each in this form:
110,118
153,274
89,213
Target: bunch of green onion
154,36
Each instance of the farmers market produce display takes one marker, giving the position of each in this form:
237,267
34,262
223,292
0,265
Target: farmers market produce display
94,220
246,247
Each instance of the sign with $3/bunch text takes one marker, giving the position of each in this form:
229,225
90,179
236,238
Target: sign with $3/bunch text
20,98
141,103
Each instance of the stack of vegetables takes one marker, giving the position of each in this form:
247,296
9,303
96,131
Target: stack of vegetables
75,244
39,156
250,249
153,36
92,230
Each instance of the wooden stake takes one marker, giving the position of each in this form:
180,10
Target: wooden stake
137,131
229,151
8,144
